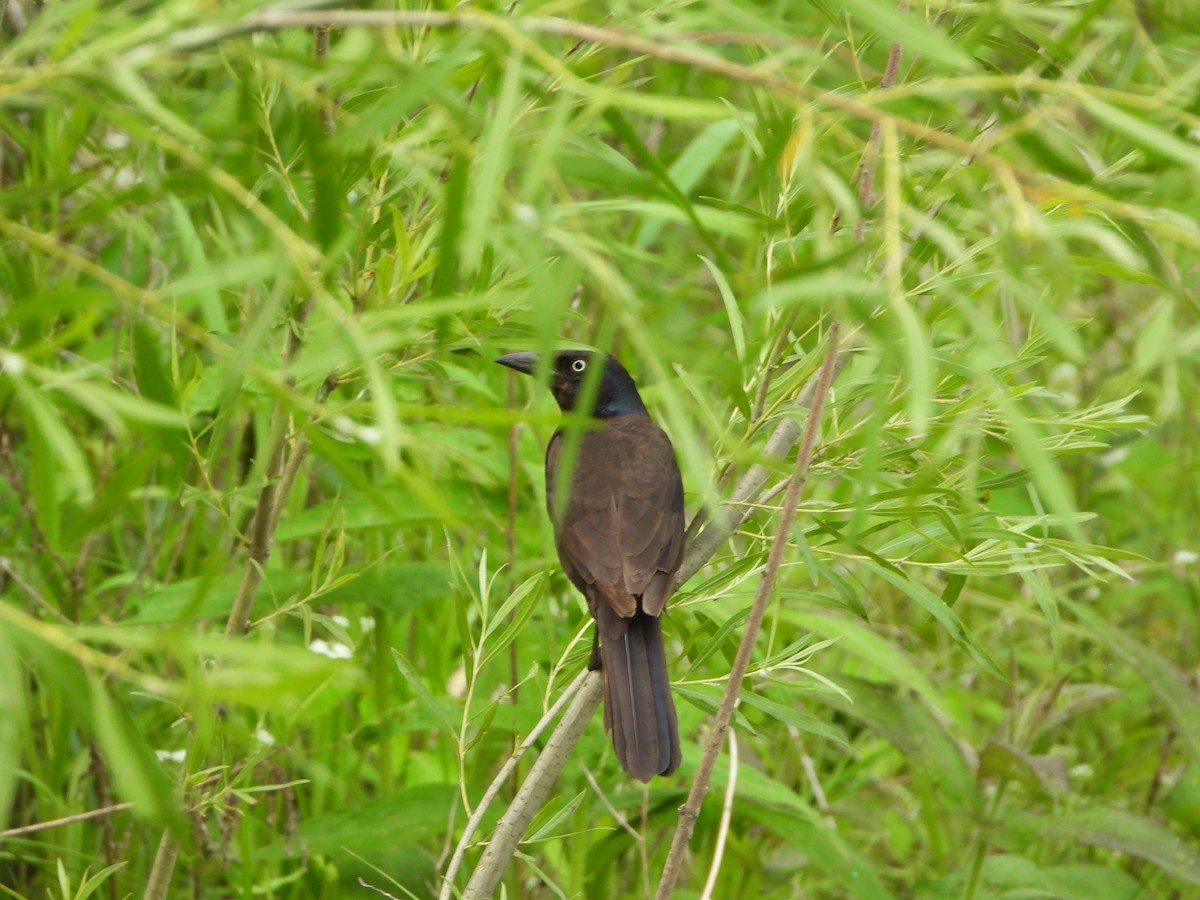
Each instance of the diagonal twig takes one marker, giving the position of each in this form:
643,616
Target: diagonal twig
691,809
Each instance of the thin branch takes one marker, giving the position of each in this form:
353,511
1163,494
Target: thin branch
17,21
320,51
534,790
274,495
866,174
498,783
299,453
689,812
271,500
726,814
159,882
510,531
66,820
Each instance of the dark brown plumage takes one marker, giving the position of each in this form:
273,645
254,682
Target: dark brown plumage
619,535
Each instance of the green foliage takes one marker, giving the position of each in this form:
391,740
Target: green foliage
249,297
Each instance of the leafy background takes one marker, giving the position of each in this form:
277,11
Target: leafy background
248,270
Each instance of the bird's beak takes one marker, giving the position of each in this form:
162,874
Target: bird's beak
522,362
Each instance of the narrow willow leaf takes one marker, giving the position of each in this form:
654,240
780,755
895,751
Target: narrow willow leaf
655,166
445,278
528,603
945,616
1163,678
701,155
64,452
92,883
549,825
882,657
915,36
12,719
737,324
1127,832
492,163
528,594
207,286
414,682
1141,132
139,777
794,717
117,407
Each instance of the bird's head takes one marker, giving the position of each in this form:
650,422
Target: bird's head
616,394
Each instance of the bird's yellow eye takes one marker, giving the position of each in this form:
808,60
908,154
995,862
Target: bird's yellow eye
578,365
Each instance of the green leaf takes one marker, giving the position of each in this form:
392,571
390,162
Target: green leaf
12,719
1125,832
915,36
1163,678
1005,761
932,755
512,615
417,685
138,776
1141,132
493,162
206,284
445,277
882,658
934,605
547,823
1154,345
696,160
152,379
795,718
61,450
655,167
737,325
117,407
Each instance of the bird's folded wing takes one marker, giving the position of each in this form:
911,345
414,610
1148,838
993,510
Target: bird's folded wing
622,529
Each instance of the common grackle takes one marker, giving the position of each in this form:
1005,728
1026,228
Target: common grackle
620,540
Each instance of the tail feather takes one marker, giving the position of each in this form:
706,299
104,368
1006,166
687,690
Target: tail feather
638,709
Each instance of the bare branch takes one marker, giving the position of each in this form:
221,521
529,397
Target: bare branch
691,809
66,820
534,790
498,782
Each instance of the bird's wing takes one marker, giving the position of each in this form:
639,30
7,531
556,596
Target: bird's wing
621,532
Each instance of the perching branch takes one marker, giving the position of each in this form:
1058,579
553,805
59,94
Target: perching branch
493,790
535,789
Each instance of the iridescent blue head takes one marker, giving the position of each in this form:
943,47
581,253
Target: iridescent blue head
616,394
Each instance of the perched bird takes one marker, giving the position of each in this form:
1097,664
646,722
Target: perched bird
619,536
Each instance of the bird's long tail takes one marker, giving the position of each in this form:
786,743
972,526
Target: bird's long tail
638,709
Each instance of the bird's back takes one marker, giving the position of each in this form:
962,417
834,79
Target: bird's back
620,532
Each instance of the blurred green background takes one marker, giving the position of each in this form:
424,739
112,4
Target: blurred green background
277,587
